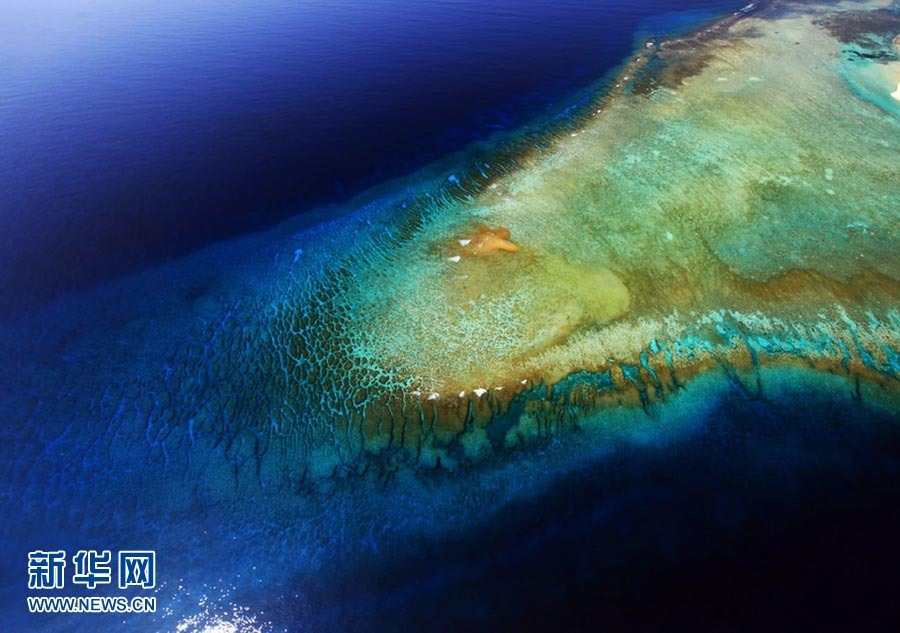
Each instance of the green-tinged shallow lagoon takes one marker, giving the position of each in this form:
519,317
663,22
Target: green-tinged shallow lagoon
631,368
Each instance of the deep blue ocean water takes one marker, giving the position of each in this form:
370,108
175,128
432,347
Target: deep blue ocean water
136,132
132,132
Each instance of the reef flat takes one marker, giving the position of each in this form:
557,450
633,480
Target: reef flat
729,201
719,225
733,200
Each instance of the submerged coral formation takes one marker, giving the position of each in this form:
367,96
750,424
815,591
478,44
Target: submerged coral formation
729,203
712,239
732,201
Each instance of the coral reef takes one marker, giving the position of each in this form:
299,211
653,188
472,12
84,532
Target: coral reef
730,204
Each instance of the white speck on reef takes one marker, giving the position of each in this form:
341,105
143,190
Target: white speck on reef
454,259
434,395
829,174
480,392
464,242
669,236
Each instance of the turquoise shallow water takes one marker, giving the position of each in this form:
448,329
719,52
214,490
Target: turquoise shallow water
171,409
868,80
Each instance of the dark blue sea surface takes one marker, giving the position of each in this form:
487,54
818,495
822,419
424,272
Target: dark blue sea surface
144,147
131,132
